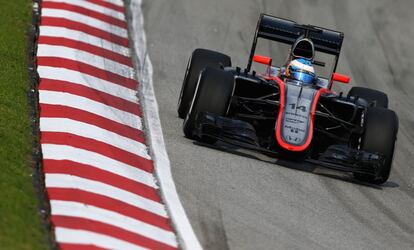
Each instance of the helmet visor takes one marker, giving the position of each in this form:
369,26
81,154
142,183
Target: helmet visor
302,76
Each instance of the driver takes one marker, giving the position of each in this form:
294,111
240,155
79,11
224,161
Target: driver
300,69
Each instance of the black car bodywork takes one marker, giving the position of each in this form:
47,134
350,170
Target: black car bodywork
286,119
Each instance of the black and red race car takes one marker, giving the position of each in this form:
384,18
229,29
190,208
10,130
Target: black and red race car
284,119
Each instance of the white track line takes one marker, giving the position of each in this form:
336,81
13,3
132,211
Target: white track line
70,181
85,57
79,78
185,233
76,209
63,152
96,23
79,102
93,132
72,236
53,31
94,7
120,3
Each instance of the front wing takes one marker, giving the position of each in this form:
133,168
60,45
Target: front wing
241,134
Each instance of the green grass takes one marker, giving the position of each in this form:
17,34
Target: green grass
20,223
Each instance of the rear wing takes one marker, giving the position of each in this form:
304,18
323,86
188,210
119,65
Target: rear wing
287,31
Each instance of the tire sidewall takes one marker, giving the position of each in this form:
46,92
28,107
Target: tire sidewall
199,59
183,87
222,86
384,123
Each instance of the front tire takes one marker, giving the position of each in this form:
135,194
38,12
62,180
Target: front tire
380,134
213,94
200,59
375,97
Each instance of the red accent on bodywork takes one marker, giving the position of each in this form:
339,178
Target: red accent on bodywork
262,59
279,139
340,78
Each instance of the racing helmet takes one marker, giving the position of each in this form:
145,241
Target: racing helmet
302,70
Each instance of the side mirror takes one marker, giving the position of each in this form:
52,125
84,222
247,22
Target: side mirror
340,78
262,59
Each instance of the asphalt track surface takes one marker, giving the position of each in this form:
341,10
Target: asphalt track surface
234,202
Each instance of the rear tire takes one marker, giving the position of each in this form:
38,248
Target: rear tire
381,128
378,98
200,59
213,94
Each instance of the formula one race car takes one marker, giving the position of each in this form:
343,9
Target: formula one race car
288,112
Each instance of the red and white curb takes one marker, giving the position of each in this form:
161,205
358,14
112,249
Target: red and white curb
99,172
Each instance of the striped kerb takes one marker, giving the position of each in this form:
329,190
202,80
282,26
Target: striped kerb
98,172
